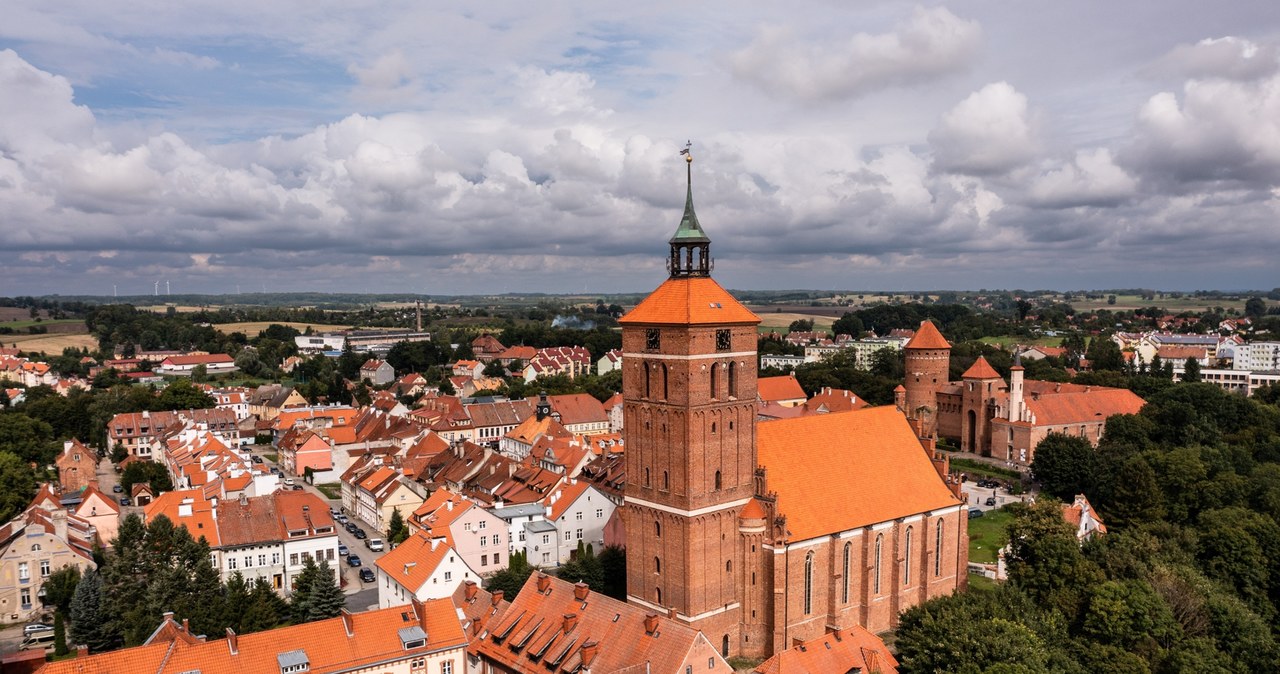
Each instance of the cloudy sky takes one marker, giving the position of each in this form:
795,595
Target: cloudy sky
407,146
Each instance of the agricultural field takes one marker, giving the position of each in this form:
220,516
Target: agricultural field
255,328
180,308
1172,305
1005,341
770,321
52,344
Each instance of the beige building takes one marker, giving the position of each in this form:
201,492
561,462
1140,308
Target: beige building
33,546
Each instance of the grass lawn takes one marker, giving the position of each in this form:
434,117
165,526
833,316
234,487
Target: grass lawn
981,583
976,468
332,490
1005,341
987,535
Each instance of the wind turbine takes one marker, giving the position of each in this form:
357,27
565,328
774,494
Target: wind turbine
166,289
156,291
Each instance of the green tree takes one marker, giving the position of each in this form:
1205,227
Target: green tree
1191,371
31,440
584,567
397,532
149,472
511,579
266,609
303,585
1065,465
59,634
848,324
1129,614
326,599
1136,497
613,565
1044,558
183,395
60,588
17,485
88,617
1255,307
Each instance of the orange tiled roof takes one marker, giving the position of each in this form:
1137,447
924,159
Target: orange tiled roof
1076,407
980,369
785,387
849,650
752,510
928,337
883,473
578,408
562,498
412,562
689,301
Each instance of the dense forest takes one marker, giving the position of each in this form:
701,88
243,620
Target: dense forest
1186,579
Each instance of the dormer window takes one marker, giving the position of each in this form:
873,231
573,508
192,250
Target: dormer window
293,661
412,637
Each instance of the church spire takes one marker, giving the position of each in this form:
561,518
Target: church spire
690,246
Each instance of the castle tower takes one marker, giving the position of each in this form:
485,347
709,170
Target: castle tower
928,360
981,383
689,389
1017,407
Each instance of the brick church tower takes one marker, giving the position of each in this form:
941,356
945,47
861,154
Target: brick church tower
689,389
928,362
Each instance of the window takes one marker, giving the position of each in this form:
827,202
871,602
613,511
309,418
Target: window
652,339
657,529
648,389
733,379
875,573
248,561
481,524
448,576
657,565
599,513
713,428
664,381
906,559
24,573
26,597
666,481
262,560
844,593
44,568
578,516
937,549
231,562
466,526
646,477
446,667
808,583
657,593
717,487
567,534
728,566
497,558
293,559
275,558
578,535
723,340
35,547
546,538
484,560
715,381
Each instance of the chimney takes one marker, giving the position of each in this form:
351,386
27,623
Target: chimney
232,642
581,590
589,651
544,582
244,499
570,622
651,624
470,590
82,651
348,623
497,597
186,625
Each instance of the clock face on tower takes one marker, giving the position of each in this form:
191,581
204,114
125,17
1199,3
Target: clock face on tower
722,340
652,339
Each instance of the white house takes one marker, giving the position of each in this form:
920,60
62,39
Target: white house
420,568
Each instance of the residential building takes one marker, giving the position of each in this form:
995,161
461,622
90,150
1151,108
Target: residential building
486,348
784,390
378,490
427,639
143,433
553,626
377,372
77,466
575,512
579,413
39,541
184,366
420,569
101,512
269,537
478,535
609,362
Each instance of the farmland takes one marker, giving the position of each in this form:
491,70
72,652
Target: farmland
254,328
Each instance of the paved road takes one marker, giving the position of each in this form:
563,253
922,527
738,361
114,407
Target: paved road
350,575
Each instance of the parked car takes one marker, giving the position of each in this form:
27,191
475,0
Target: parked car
256,458
359,534
296,487
353,560
288,482
341,519
124,500
991,500
343,550
974,513
374,544
117,488
37,641
28,630
367,576
351,527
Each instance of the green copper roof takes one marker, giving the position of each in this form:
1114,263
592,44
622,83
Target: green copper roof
689,231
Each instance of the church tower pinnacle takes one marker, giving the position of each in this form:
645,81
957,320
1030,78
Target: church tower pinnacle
690,246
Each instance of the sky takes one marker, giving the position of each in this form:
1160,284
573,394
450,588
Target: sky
461,147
